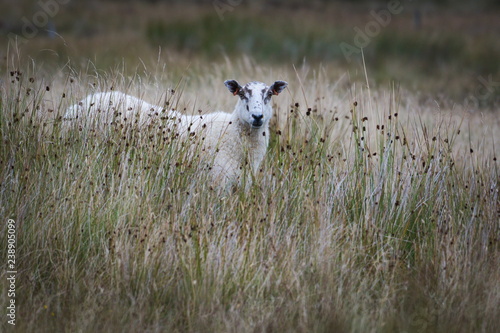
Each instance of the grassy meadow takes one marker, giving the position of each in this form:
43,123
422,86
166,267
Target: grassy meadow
376,208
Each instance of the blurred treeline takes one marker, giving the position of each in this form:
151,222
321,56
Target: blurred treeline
439,46
287,3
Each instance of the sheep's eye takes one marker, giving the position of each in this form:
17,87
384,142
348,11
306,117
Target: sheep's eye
268,96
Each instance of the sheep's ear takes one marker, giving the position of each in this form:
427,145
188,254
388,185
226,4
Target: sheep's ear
233,86
278,86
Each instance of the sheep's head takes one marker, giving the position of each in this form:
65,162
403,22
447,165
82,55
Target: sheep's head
254,105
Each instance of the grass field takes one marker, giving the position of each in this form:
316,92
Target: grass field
442,59
371,213
376,208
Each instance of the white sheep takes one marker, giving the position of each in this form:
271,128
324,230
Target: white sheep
108,107
231,140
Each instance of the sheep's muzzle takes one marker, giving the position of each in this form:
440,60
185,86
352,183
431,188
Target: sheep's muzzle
257,120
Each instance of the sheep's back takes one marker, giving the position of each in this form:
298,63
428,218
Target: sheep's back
112,106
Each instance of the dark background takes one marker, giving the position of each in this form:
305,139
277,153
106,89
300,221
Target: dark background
441,48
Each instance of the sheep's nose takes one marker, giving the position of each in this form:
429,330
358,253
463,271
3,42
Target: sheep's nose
257,120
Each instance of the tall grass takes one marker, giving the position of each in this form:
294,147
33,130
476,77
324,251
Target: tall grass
370,213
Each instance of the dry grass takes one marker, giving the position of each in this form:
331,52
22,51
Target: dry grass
372,211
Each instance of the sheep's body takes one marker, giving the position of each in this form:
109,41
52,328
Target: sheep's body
233,143
228,140
107,107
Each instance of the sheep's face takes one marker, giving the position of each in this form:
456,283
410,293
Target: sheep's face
254,105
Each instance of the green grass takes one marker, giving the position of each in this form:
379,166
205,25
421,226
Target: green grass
371,213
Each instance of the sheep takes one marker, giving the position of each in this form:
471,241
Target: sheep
229,140
107,107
